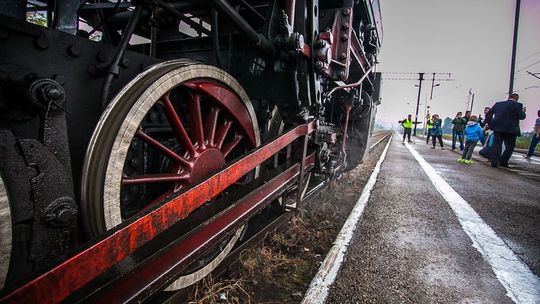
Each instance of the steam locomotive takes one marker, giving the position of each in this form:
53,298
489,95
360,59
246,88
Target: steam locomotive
142,140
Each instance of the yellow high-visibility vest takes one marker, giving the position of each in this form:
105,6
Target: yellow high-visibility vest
407,123
430,124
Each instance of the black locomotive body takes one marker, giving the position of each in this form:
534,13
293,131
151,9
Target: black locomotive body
110,110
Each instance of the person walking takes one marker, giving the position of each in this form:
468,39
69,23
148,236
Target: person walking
457,130
473,134
429,125
535,138
503,118
436,131
407,127
482,123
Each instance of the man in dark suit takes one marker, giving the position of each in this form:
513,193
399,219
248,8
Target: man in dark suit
503,119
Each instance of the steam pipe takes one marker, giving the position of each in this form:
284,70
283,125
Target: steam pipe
114,67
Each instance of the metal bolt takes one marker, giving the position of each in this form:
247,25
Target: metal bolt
134,145
319,65
61,212
42,42
52,92
162,117
102,56
342,56
341,74
344,37
74,51
321,43
125,62
64,216
345,25
134,162
346,12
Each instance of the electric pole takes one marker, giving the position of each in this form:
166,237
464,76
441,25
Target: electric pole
419,85
420,79
514,47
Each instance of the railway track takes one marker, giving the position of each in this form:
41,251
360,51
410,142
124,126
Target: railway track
232,261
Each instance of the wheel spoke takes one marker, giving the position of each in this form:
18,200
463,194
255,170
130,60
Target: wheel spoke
195,118
154,178
222,133
211,125
177,126
230,146
166,151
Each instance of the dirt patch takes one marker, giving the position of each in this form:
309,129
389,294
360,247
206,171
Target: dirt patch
281,269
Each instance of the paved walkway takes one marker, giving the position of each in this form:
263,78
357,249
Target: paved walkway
438,231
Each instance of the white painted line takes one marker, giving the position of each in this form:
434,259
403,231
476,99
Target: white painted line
318,289
522,286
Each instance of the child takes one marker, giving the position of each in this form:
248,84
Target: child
436,131
535,138
473,134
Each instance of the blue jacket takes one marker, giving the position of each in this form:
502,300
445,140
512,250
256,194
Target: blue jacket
473,132
436,130
504,117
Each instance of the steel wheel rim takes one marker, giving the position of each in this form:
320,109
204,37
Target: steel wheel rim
172,74
5,233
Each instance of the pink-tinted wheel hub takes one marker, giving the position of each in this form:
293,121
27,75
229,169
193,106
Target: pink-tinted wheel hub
207,161
217,123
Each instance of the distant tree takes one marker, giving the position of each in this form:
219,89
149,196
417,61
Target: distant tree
447,125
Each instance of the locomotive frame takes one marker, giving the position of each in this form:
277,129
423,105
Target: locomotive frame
218,113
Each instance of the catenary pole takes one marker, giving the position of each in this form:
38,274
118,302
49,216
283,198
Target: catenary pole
514,47
420,79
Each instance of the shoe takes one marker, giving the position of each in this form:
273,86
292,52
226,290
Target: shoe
526,156
460,160
410,140
432,147
453,149
503,165
468,161
442,148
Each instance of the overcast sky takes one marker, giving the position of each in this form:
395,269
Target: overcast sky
472,40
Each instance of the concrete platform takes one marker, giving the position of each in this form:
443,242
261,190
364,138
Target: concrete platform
438,231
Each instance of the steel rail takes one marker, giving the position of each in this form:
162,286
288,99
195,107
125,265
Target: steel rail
57,284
